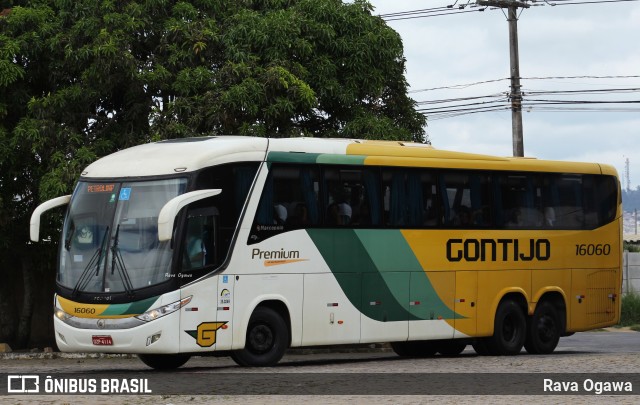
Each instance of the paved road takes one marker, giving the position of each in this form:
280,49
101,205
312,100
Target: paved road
601,342
356,374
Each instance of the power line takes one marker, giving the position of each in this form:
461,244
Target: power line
573,2
460,86
474,7
417,14
583,77
553,102
584,91
450,100
523,99
466,85
453,107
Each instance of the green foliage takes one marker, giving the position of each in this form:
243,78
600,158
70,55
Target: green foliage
82,78
630,309
631,247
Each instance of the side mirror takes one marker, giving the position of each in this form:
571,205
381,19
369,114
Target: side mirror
34,224
168,213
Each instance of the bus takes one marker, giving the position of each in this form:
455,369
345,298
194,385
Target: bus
246,246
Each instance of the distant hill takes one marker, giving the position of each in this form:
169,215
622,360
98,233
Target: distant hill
631,199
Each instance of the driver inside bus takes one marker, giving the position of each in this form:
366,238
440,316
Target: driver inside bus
195,251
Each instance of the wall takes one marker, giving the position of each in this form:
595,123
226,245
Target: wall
631,272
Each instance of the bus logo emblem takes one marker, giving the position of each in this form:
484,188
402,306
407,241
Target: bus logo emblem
205,335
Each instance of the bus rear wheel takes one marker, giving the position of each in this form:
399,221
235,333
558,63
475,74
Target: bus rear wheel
509,330
164,361
543,333
266,342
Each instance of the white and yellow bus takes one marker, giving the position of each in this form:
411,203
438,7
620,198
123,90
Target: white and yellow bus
248,246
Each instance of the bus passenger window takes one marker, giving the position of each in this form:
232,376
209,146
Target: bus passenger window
352,197
289,201
466,199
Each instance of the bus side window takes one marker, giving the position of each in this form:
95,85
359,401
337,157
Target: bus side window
520,202
200,245
566,198
289,201
408,191
466,199
352,197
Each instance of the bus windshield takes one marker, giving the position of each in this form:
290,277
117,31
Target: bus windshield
110,236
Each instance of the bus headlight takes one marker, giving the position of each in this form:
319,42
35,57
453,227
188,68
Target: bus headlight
60,314
159,312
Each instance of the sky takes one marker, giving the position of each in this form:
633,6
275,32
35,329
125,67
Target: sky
562,48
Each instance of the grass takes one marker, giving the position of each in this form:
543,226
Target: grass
630,315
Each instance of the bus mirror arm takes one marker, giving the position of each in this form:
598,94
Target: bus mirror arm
168,213
34,223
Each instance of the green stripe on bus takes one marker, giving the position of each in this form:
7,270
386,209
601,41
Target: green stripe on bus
292,157
390,252
311,158
341,159
379,274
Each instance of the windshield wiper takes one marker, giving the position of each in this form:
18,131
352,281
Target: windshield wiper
118,263
95,260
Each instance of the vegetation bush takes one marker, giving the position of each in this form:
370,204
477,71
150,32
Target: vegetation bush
630,309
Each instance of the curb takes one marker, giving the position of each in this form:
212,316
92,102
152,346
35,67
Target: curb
60,355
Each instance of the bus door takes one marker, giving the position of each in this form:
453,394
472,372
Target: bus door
205,320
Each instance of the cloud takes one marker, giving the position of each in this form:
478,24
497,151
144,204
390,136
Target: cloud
581,40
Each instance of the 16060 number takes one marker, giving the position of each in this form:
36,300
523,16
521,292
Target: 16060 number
587,249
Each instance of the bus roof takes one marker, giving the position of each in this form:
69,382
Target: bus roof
191,154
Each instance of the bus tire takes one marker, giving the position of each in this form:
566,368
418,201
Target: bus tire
451,347
414,348
164,361
544,330
510,330
266,342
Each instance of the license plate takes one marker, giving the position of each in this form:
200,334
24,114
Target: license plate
102,340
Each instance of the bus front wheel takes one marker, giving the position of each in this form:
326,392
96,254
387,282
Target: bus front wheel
164,361
266,342
510,330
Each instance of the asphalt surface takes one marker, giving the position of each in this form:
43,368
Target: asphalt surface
361,376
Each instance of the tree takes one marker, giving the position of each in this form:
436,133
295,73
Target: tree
82,78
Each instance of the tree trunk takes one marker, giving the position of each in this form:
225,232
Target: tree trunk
24,323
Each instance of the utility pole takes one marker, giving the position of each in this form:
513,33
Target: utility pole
514,59
627,175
